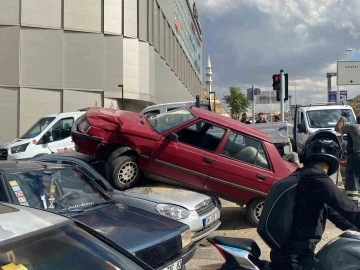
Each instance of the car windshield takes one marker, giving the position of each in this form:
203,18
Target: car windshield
64,247
37,128
328,118
165,121
64,189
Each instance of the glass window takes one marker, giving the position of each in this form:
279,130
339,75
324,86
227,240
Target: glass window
151,21
37,128
152,112
245,149
99,166
65,247
57,190
61,129
87,172
328,118
166,121
156,27
202,135
143,19
162,34
80,168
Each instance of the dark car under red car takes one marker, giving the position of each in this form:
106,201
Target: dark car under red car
186,147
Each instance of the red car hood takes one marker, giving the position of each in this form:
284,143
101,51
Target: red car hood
125,122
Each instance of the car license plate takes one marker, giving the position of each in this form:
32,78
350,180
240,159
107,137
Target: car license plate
174,266
211,218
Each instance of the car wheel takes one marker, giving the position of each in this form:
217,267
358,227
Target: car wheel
253,211
124,172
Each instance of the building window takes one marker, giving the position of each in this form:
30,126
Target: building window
162,34
143,20
151,21
157,27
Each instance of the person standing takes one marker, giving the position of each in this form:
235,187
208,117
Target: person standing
261,119
352,170
244,119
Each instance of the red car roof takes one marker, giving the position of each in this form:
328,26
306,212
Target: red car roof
230,123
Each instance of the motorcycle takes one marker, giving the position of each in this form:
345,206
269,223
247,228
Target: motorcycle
340,253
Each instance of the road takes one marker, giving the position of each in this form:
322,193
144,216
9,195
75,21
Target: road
234,224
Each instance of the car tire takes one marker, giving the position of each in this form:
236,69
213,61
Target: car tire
253,211
124,172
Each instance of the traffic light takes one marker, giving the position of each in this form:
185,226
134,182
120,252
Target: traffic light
276,82
278,92
286,87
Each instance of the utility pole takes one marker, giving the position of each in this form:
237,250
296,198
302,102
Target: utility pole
282,93
253,104
251,93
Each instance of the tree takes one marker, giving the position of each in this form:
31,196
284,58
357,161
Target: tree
237,101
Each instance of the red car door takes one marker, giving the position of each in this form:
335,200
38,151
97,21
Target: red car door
187,160
242,171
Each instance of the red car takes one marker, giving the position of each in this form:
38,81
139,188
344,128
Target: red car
186,147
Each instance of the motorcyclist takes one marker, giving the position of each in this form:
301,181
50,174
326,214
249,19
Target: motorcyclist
317,199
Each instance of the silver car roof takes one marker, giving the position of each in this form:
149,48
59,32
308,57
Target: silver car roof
18,220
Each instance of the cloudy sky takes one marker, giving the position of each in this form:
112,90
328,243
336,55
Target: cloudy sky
250,40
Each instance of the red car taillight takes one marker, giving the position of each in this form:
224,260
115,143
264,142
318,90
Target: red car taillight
83,126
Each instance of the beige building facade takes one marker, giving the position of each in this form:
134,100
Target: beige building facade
64,55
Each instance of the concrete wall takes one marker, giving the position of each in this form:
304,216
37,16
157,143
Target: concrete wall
36,103
52,62
9,113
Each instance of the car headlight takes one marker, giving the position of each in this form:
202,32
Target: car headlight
172,211
19,148
186,238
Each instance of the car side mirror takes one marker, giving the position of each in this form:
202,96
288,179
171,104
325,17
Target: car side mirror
47,137
173,137
301,128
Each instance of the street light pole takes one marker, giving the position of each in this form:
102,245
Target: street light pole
337,76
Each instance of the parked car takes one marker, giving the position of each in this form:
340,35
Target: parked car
65,190
167,107
201,212
187,147
50,241
50,134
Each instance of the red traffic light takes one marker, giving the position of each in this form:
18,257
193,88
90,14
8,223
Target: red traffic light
276,78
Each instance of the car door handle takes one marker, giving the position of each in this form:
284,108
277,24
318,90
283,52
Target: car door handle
207,160
261,176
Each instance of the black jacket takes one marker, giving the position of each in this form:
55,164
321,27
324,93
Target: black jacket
319,199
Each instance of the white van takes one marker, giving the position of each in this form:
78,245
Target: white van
49,134
166,107
311,118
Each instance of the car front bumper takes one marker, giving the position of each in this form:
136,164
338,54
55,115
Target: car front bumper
186,254
195,222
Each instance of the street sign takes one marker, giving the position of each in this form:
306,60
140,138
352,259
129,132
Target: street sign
257,91
343,97
266,97
348,73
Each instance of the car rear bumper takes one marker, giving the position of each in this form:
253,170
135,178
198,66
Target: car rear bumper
84,143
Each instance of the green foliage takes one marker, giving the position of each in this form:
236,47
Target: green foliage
237,101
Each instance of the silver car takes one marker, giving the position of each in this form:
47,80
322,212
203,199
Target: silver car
39,240
199,211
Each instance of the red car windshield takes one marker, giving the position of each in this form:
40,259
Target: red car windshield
165,121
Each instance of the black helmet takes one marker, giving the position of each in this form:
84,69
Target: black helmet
322,146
